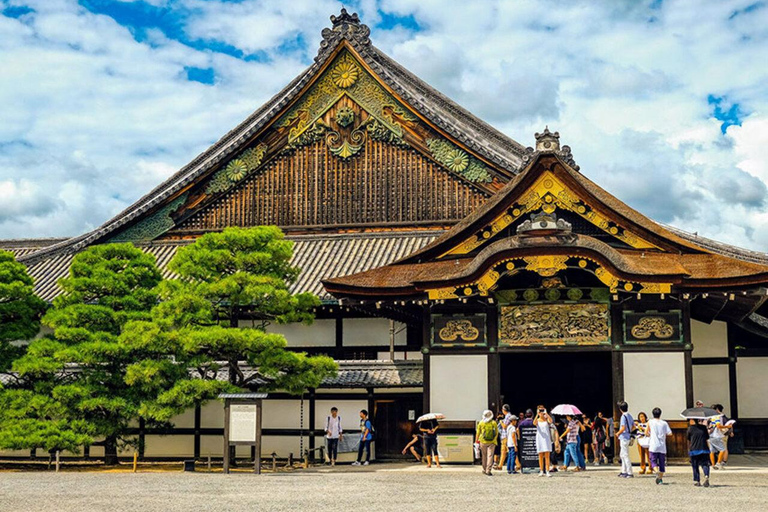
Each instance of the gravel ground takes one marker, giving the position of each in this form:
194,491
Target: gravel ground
742,487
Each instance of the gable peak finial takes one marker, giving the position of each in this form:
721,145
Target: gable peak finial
547,141
344,26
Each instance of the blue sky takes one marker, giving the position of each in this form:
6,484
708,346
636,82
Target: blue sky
665,103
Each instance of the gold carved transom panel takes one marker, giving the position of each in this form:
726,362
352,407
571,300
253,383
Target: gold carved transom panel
554,324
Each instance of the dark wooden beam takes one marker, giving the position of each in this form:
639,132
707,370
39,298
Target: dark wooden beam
494,361
732,377
198,415
701,361
426,336
688,343
312,412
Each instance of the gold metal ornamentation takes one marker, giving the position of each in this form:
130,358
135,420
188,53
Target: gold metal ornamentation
345,74
652,326
546,266
455,329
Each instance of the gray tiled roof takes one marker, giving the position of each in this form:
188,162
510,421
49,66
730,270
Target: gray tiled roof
318,256
382,374
352,374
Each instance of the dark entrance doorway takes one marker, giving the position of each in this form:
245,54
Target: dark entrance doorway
394,422
583,379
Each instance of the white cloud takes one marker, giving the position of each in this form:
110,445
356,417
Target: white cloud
92,119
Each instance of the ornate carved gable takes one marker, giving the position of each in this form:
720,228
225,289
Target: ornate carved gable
346,153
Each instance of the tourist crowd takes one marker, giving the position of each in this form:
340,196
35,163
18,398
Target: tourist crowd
562,440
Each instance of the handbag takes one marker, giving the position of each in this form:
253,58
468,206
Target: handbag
476,446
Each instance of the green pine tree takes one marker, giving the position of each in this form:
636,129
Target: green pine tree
20,309
72,386
224,278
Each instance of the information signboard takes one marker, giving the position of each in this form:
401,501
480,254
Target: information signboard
242,423
529,457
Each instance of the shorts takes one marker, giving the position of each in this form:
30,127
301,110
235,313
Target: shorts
717,444
659,460
430,446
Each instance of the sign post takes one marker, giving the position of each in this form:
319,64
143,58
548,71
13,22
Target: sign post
529,457
242,425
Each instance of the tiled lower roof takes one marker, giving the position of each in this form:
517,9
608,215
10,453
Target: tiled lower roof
358,374
318,256
352,374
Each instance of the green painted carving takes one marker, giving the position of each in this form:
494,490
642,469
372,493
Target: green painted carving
345,116
345,146
236,169
458,161
346,77
378,131
153,226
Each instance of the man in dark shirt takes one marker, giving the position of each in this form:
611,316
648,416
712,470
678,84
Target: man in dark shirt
528,421
698,450
429,429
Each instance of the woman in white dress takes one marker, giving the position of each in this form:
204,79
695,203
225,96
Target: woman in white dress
542,423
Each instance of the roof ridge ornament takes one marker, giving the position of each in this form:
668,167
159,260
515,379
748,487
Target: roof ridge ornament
549,142
344,26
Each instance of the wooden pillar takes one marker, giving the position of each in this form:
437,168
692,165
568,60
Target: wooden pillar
494,360
371,415
227,452
617,356
688,347
732,378
198,415
339,337
426,335
142,437
312,412
257,458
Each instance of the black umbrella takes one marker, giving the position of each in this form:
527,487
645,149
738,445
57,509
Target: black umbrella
699,413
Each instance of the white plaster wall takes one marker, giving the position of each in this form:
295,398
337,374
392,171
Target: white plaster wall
212,414
459,385
709,340
321,333
284,414
360,332
185,420
710,385
169,446
655,379
349,410
752,385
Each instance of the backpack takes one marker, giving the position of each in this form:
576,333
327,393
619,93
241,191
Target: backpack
488,431
371,431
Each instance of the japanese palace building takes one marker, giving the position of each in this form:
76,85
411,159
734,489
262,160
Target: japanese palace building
458,269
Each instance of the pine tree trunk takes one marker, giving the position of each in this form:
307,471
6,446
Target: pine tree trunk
110,451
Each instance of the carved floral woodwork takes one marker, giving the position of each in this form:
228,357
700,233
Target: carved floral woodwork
152,226
554,324
652,326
